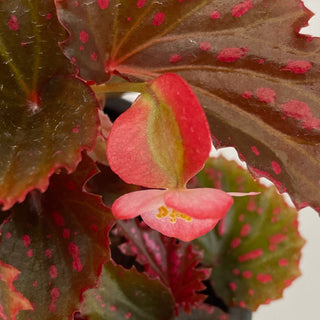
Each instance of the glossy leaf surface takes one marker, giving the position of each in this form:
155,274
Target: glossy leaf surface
255,251
256,78
46,115
58,241
175,264
11,300
127,294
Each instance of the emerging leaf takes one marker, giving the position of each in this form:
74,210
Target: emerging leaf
255,76
58,240
255,251
127,294
11,301
175,264
47,116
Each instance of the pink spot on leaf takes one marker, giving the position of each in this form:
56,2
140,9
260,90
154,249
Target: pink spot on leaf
55,294
26,240
53,272
13,23
205,46
241,8
266,95
103,4
236,272
8,235
215,15
264,278
141,3
35,284
277,238
113,308
247,274
66,233
254,254
75,253
58,219
283,262
175,58
232,286
231,54
255,150
245,230
94,56
158,19
235,243
48,253
276,167
128,315
251,292
298,66
75,130
84,37
30,253
247,94
48,16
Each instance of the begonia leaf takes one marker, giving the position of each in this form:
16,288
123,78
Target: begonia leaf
255,76
58,241
255,251
127,294
158,130
47,115
175,264
11,300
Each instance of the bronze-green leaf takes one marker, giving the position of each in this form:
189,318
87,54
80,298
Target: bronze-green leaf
58,241
255,76
47,116
128,294
255,251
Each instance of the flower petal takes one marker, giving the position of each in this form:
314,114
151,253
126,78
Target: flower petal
202,203
181,229
135,203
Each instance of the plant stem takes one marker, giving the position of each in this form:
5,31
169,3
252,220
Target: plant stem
237,313
119,87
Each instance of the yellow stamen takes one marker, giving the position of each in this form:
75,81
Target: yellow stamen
173,214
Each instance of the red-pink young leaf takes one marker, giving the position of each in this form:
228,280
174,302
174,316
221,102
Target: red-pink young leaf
255,250
11,300
47,116
175,264
127,294
164,135
58,240
243,81
183,214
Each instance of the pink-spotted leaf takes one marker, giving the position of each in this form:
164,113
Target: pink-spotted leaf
127,294
175,264
58,241
255,251
47,116
11,300
255,76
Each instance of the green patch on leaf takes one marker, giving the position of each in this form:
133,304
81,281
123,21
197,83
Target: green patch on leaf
47,116
58,240
127,294
255,251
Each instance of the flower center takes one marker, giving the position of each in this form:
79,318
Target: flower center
173,214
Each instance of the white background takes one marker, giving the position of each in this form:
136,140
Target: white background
302,299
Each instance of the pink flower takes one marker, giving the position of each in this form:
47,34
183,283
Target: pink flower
161,142
181,213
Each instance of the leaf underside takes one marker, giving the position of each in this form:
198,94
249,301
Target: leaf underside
255,251
255,76
47,116
58,243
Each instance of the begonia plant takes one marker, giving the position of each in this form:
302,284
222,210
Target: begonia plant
132,218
